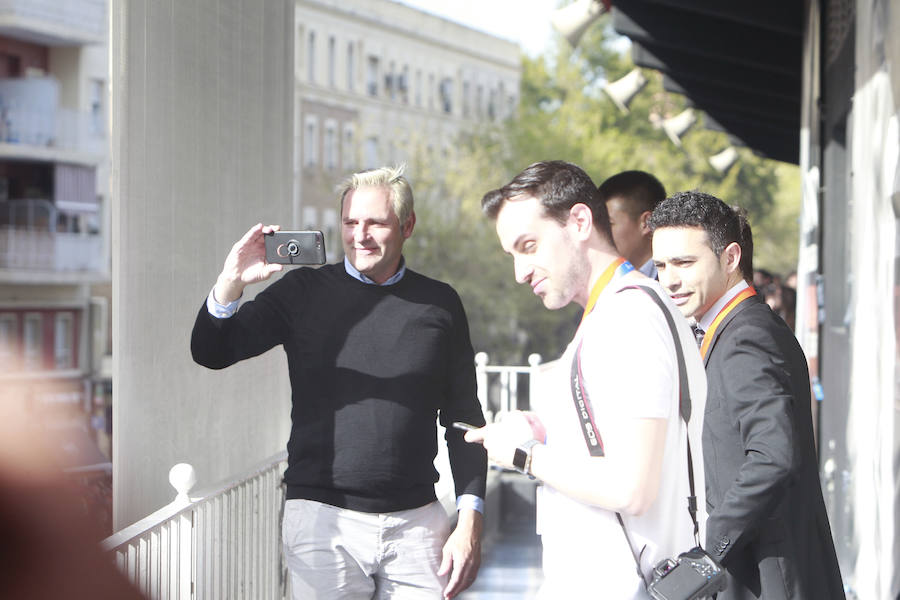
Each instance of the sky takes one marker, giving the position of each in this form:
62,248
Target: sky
526,22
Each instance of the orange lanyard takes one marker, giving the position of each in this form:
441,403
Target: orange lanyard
708,336
604,280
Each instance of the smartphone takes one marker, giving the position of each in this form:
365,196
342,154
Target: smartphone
295,247
464,426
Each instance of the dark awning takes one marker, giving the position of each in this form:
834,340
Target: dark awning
739,62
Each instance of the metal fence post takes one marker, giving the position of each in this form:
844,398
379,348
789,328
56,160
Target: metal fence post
534,363
183,477
481,380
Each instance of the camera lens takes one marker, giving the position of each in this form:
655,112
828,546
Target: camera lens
293,248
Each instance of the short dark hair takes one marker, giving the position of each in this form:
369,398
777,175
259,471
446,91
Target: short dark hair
641,191
722,223
558,186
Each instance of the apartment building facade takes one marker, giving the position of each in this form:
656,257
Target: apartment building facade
377,82
54,222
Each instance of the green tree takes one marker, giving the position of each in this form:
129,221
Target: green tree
563,114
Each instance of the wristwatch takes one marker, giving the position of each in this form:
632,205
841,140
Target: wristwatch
522,457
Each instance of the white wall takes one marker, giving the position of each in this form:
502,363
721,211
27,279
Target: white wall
202,124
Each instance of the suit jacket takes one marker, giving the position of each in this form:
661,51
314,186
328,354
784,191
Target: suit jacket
767,521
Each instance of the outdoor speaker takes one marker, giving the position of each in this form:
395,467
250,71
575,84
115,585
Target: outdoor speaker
677,126
722,161
573,20
621,91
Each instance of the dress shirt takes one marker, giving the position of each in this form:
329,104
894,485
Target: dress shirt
649,269
710,315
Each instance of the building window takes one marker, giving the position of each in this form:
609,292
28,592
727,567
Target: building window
419,88
331,231
348,151
351,66
465,98
98,107
330,147
371,153
9,342
332,50
372,76
446,92
63,341
32,342
390,83
403,85
431,91
310,142
479,101
311,57
310,217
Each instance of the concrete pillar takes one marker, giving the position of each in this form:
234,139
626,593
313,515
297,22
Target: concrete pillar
201,143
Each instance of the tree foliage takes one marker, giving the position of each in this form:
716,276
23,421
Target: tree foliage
564,114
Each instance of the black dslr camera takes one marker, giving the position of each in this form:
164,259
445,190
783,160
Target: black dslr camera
694,574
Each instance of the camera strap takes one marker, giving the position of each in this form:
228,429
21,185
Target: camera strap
591,434
583,407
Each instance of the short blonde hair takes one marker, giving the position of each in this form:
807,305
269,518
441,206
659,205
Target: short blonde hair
386,177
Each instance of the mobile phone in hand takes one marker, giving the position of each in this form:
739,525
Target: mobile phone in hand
295,247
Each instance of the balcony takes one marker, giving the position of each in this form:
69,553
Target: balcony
54,23
225,542
33,127
45,256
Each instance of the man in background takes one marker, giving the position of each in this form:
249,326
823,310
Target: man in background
630,198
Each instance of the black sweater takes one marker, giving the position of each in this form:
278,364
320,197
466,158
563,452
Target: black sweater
370,367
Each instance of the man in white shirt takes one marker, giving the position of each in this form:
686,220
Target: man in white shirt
630,198
614,443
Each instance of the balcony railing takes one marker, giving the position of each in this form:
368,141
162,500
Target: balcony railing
225,542
24,249
498,385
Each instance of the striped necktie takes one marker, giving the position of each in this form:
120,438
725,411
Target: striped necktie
698,334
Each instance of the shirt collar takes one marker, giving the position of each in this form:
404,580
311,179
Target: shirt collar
649,269
710,315
354,272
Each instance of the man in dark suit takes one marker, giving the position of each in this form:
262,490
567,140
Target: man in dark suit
767,521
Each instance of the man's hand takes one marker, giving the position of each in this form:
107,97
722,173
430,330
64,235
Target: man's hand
462,552
245,264
501,439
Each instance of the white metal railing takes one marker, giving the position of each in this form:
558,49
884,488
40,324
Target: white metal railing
224,542
498,385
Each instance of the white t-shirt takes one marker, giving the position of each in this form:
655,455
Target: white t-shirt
630,371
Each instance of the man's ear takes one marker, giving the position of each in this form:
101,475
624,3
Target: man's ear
409,225
732,257
642,222
582,218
